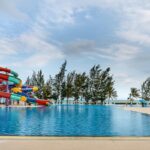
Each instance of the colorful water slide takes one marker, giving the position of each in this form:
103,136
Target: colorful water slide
25,89
13,97
38,101
3,87
10,76
8,71
17,92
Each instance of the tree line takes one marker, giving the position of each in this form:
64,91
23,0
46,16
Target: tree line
96,85
143,92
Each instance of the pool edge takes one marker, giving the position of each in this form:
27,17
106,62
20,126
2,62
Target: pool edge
72,138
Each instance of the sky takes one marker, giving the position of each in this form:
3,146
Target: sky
41,34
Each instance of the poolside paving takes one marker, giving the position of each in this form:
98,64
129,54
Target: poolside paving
145,110
73,143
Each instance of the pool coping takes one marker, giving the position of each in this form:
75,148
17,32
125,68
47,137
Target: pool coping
74,138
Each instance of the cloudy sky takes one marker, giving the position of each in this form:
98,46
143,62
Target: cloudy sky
41,34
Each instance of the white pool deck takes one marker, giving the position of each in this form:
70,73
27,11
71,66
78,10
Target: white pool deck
145,110
74,143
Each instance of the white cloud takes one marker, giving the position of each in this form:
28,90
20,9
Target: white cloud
7,47
136,36
126,79
117,52
39,52
134,26
125,51
33,43
120,51
79,47
42,52
11,9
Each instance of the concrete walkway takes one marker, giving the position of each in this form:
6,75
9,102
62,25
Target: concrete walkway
73,143
145,110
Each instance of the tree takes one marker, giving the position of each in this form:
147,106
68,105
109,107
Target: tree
94,83
111,93
47,89
33,79
86,90
146,89
28,81
70,85
79,84
59,82
100,83
63,92
37,79
40,83
134,93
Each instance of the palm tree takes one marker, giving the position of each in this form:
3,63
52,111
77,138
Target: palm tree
134,93
111,93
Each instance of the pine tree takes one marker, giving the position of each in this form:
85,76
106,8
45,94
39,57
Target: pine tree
47,90
59,81
79,84
146,89
70,85
28,81
100,82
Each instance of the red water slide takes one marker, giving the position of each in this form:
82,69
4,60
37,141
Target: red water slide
42,102
3,87
5,70
4,77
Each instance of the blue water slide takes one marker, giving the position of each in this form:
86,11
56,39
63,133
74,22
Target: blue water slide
143,101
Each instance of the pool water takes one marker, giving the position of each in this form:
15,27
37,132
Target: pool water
73,120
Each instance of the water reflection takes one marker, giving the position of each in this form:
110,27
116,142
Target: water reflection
73,120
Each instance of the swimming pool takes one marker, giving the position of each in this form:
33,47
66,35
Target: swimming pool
73,120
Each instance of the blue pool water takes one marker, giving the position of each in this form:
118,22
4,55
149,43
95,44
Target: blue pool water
73,120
